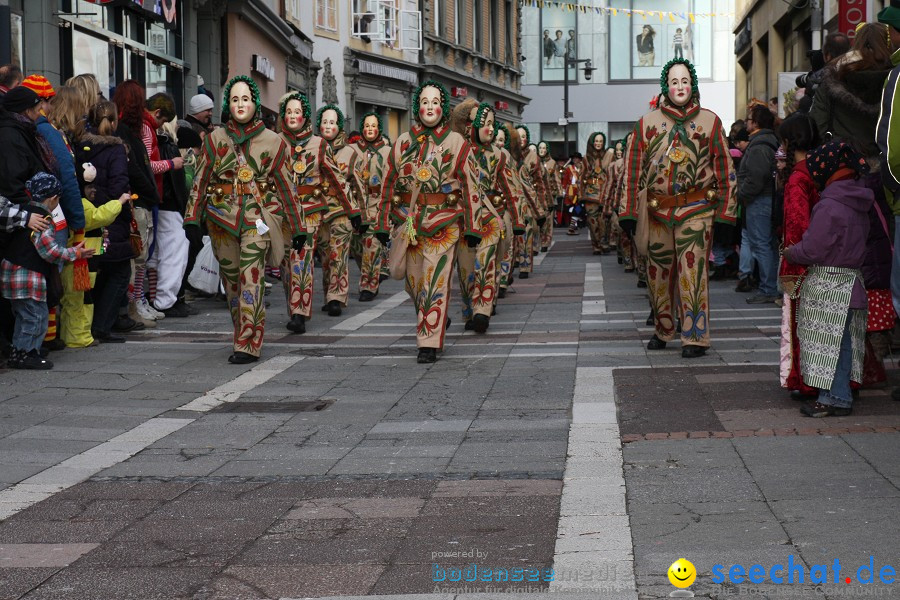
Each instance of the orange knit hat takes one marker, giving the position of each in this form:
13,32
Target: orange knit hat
40,85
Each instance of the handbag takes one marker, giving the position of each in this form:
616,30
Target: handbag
275,253
137,245
400,237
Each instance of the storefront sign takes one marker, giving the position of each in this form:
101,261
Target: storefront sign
850,14
262,66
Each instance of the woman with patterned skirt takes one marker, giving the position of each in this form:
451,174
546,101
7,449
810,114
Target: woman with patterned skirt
243,181
430,191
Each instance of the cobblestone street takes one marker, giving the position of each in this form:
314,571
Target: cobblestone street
337,466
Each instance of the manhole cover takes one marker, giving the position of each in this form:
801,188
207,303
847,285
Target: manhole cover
273,407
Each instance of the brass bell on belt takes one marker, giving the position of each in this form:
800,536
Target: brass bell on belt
711,195
220,192
654,203
317,193
264,186
452,199
395,200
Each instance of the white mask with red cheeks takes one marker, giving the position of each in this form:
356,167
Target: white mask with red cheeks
500,140
430,110
293,116
370,129
240,103
679,80
328,127
486,131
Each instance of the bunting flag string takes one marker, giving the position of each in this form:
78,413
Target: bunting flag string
585,8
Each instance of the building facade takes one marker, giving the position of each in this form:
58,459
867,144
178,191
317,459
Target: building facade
179,46
773,39
627,42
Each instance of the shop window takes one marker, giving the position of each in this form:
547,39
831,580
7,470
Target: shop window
156,78
438,17
477,26
459,21
641,43
559,43
15,45
326,15
93,55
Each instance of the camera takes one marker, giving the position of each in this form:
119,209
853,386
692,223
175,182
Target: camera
588,70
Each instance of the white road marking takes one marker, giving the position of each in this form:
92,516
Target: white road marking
356,321
234,389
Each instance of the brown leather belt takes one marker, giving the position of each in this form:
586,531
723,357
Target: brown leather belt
428,199
227,189
374,191
306,189
679,200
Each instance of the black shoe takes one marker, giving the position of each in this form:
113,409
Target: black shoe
334,308
426,355
470,325
197,293
501,293
655,343
297,324
799,395
44,352
366,296
598,252
545,248
124,324
651,321
108,338
493,310
480,323
692,351
744,285
641,283
382,278
523,275
190,308
54,345
31,361
179,310
242,358
620,260
895,394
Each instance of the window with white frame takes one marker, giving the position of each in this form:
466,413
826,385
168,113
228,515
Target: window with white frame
459,21
292,11
326,15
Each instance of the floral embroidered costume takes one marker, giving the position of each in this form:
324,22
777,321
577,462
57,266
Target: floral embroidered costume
679,158
535,185
553,191
510,186
243,177
430,190
318,188
367,164
596,175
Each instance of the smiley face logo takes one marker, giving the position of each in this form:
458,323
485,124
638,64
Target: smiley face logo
682,573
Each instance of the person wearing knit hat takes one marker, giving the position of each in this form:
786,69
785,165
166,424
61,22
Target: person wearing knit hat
22,152
199,114
29,277
20,100
40,85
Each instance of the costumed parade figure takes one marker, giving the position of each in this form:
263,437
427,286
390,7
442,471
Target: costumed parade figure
367,164
532,177
596,173
571,187
342,218
315,175
242,189
516,205
430,191
612,195
553,192
679,179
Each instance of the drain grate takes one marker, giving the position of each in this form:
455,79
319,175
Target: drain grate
273,407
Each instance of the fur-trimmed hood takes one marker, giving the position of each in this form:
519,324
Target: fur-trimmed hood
860,91
94,139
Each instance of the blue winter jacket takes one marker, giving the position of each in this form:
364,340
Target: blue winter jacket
70,199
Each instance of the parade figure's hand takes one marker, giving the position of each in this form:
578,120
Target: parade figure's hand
382,237
356,223
629,226
472,241
299,241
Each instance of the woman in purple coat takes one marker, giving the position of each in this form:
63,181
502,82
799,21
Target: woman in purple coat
831,318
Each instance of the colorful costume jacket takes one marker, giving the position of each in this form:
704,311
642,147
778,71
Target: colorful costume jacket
532,176
367,163
494,180
267,156
612,191
595,178
438,161
695,137
313,164
554,188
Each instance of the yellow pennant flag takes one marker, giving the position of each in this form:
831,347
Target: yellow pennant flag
691,17
672,17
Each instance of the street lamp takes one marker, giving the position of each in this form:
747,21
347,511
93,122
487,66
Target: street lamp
588,71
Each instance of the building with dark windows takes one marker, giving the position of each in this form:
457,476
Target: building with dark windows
628,42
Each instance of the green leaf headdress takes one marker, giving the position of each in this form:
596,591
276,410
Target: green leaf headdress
480,115
304,103
340,116
527,133
254,94
502,127
362,121
664,77
445,100
594,135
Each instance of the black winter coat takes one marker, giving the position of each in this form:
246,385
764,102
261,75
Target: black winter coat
140,176
21,156
175,192
109,156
